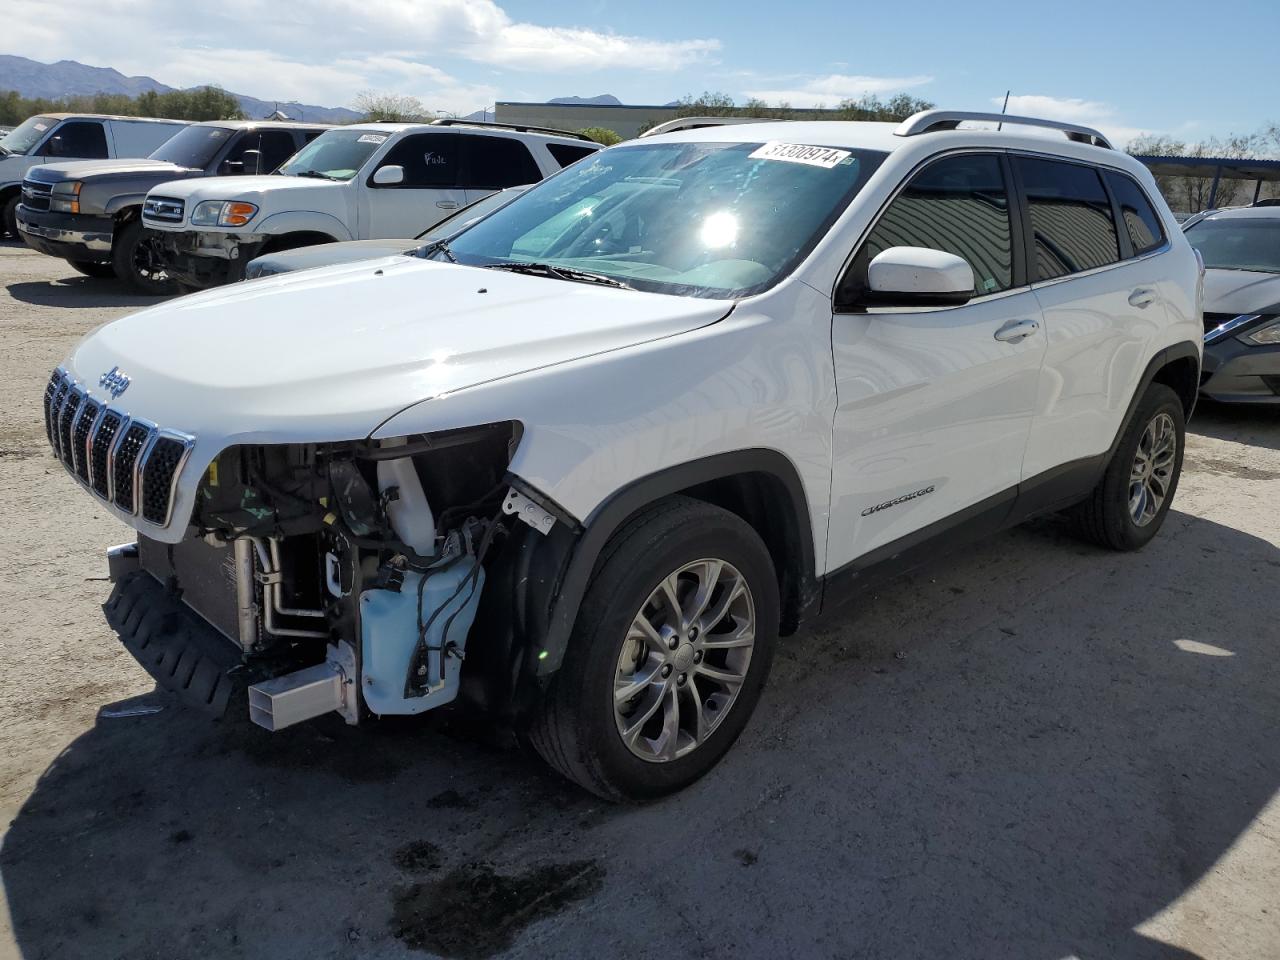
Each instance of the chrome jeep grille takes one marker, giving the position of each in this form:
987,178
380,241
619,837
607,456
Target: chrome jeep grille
35,195
164,209
131,463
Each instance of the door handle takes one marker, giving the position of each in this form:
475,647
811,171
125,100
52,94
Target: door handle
1142,297
1016,330
447,204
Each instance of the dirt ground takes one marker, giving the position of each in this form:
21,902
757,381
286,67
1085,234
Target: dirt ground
1036,750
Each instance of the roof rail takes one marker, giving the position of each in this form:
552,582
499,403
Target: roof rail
927,121
519,127
696,123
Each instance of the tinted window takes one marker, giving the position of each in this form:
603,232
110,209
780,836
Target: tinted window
494,163
1140,220
429,160
78,138
1070,217
959,205
565,154
277,146
192,146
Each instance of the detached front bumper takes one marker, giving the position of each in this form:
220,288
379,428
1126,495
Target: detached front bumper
201,258
1235,372
71,236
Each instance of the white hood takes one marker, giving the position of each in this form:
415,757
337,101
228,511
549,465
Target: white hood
330,354
1240,291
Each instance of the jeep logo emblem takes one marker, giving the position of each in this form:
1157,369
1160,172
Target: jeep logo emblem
114,381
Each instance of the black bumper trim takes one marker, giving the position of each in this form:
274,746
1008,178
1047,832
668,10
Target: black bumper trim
183,654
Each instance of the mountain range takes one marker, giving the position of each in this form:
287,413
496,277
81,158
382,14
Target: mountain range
31,78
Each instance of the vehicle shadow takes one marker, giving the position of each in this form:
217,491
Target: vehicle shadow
78,291
1025,752
1257,426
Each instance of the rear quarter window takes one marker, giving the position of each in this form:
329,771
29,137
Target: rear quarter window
565,153
495,163
1146,232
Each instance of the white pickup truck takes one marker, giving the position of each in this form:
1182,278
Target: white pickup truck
361,182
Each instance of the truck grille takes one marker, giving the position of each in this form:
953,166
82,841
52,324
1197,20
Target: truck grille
131,463
164,209
35,195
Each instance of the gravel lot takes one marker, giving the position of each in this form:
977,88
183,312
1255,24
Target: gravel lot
1035,750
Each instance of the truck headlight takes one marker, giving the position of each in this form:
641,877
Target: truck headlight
1267,335
65,197
222,213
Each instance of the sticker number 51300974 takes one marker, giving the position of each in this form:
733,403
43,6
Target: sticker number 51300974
825,157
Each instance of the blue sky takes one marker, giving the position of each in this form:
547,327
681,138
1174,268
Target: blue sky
1177,67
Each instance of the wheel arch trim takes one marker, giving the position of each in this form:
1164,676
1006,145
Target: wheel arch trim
607,518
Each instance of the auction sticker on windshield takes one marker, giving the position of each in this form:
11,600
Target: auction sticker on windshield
372,138
825,157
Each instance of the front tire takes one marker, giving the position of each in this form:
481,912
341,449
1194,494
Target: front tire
137,261
1128,506
668,657
9,217
90,268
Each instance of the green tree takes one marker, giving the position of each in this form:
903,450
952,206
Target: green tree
602,135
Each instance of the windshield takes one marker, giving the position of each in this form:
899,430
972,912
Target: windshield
1236,243
334,155
27,134
719,220
461,219
192,146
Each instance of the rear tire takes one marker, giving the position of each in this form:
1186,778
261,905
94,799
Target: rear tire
90,268
1128,506
136,260
635,713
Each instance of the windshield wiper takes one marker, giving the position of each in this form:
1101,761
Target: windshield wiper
314,173
437,246
535,269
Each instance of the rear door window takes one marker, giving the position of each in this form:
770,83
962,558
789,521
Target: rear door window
83,139
1140,220
277,146
429,160
1071,220
495,163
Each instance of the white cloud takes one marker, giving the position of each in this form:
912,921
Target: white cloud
1089,113
329,50
831,89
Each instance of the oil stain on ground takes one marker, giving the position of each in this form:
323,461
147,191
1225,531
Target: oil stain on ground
473,911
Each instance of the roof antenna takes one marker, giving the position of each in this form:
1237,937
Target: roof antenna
1003,110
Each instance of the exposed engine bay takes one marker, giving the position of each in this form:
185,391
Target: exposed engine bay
351,576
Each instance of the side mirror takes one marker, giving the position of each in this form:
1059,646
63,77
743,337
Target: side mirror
918,277
388,176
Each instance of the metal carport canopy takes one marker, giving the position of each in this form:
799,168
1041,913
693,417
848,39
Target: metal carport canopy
1263,171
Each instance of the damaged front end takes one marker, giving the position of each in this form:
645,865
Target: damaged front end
348,577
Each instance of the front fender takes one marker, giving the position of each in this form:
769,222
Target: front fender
303,221
758,381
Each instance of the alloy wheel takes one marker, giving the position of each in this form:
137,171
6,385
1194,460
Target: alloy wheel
684,660
1152,471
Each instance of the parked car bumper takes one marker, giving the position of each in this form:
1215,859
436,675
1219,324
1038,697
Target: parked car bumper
199,258
71,236
1235,372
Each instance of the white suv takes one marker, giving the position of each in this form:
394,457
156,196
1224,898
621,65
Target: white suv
612,440
360,182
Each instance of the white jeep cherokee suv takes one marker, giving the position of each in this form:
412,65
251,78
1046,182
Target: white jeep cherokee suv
362,182
586,461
